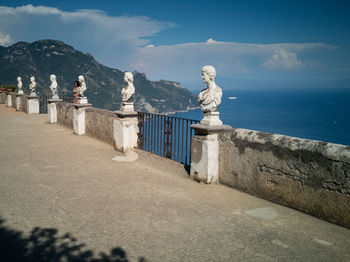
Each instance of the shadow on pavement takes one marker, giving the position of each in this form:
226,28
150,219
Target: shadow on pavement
46,244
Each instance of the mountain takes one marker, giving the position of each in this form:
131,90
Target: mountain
104,84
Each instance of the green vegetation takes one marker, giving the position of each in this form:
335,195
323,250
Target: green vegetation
9,88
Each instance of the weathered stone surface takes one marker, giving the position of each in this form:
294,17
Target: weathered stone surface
79,120
125,134
24,103
52,109
3,97
205,158
99,124
65,114
13,98
308,175
19,102
8,100
32,105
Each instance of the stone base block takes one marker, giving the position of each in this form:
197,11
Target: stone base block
52,112
9,100
79,121
211,119
33,105
125,134
205,158
127,106
18,102
82,100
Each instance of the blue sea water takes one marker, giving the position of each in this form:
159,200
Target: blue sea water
318,114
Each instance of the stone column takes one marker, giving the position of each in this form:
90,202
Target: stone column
205,152
2,97
52,109
9,99
19,102
79,118
125,131
32,105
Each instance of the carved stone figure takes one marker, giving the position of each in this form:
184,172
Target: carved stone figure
32,86
209,98
82,87
129,89
53,86
19,85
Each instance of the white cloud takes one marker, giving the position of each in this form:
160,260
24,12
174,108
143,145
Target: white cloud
110,39
183,62
123,42
283,60
5,39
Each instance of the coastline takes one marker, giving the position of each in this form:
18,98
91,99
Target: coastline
182,111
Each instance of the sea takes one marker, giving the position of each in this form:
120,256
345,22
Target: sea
317,114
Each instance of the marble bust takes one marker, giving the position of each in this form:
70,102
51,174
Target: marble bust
32,86
210,98
82,87
19,85
53,86
129,89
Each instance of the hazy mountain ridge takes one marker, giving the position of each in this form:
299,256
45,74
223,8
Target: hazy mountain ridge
44,57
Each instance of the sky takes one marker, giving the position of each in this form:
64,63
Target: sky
252,44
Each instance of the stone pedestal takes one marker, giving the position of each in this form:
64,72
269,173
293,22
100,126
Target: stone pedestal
79,118
205,152
19,102
82,100
127,107
9,99
52,109
211,119
3,97
125,131
32,105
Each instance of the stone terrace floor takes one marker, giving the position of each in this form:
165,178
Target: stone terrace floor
149,208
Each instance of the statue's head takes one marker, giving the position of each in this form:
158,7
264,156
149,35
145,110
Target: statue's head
53,77
128,77
208,73
81,78
19,79
32,79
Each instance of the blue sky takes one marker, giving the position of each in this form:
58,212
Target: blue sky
252,44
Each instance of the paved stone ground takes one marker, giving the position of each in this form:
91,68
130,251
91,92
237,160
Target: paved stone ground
149,208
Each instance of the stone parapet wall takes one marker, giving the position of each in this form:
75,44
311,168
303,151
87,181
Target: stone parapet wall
3,96
311,176
99,124
13,97
24,103
65,114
